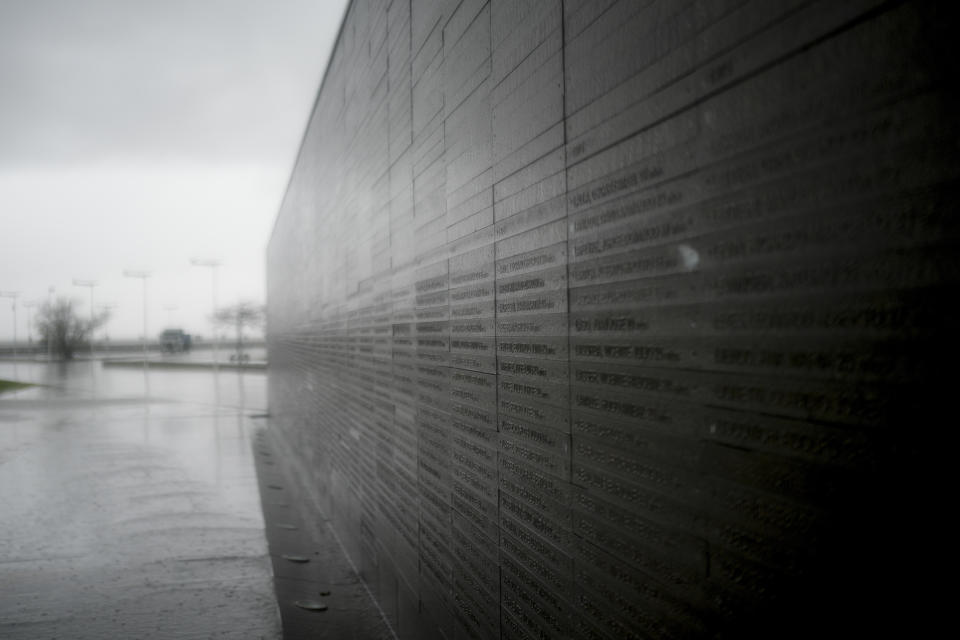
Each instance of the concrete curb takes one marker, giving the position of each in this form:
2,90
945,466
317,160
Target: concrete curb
160,364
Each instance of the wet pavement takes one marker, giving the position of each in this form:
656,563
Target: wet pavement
129,505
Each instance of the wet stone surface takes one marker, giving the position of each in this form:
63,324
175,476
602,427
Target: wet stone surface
129,507
319,594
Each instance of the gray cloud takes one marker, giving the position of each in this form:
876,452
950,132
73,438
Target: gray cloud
140,133
128,81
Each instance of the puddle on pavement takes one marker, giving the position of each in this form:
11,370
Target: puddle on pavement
117,489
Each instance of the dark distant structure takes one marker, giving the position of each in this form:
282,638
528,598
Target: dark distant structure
625,319
175,341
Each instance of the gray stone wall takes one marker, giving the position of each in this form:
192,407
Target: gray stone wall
621,319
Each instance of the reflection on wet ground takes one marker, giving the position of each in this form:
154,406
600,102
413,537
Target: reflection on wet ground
129,505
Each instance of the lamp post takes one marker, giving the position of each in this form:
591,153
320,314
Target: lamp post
90,284
13,295
143,275
28,305
170,308
49,337
213,264
106,308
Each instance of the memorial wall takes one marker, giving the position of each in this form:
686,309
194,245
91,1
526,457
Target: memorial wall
623,319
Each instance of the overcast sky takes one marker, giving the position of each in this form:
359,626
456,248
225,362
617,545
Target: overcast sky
137,134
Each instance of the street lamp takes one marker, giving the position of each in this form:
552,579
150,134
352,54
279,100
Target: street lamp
143,275
90,284
170,308
28,305
13,295
106,308
49,337
213,264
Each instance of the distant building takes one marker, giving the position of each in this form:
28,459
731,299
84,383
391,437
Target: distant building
175,341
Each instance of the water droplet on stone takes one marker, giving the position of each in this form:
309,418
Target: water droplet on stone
294,558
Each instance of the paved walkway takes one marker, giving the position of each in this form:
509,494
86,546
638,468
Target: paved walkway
129,507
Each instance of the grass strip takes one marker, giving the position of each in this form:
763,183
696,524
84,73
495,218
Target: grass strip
11,385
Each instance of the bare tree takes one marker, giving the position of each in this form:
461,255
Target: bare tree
240,316
62,327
